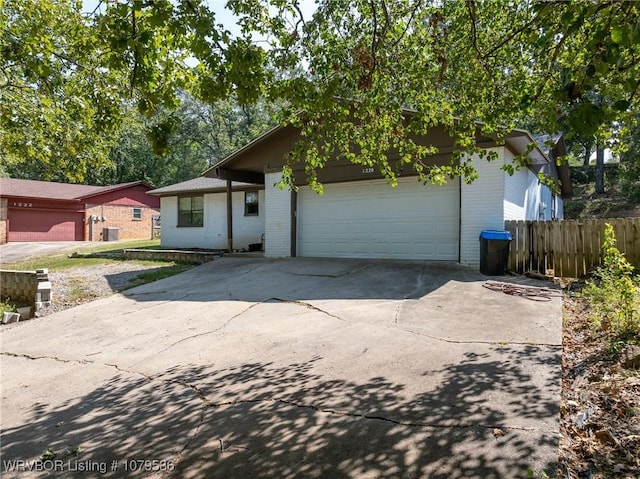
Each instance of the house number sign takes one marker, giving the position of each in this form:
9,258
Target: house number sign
367,170
22,205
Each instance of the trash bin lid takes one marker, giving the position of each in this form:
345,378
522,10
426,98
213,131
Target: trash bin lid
495,235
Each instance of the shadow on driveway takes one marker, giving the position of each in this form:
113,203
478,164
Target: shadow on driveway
293,368
284,422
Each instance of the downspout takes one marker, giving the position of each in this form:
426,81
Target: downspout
229,216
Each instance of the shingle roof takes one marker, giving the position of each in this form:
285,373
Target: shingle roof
119,186
55,191
547,142
197,185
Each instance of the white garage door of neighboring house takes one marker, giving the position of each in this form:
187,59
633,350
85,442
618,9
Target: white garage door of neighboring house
369,219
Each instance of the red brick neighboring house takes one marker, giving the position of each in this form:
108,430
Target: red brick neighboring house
33,210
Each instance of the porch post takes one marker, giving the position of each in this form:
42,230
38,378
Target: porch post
294,223
229,216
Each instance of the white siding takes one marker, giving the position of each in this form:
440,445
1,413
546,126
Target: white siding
213,233
277,218
246,229
516,191
370,219
533,208
525,198
482,207
559,208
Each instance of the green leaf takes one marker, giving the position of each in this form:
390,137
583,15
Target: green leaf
617,34
622,105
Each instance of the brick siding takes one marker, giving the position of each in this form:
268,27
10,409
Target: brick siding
482,207
119,217
277,218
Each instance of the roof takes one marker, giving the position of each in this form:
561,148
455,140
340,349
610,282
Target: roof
252,144
547,142
57,191
518,139
120,186
541,155
197,185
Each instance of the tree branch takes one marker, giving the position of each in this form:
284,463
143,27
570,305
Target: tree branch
14,86
550,69
98,6
517,32
134,34
301,19
409,22
471,8
375,30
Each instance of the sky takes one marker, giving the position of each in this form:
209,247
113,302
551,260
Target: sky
223,15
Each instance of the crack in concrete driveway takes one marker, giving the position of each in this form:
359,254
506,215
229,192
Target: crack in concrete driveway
420,368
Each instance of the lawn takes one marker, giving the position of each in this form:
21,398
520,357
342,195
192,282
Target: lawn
81,276
105,253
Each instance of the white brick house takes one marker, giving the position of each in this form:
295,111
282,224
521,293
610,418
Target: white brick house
194,214
360,216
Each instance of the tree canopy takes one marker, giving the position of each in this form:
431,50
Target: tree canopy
345,75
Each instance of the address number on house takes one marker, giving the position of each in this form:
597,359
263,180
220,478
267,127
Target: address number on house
368,170
22,205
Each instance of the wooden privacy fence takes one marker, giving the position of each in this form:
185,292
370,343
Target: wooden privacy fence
568,248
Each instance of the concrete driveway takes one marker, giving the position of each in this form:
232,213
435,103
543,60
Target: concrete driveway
19,251
289,368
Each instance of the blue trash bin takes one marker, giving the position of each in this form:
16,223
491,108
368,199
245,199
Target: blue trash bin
494,252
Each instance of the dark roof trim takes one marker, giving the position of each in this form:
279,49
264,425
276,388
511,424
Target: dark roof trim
212,171
205,191
201,185
518,140
539,156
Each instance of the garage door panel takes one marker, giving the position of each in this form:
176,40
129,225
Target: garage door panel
30,225
372,220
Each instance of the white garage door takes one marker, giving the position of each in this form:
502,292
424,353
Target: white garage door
369,219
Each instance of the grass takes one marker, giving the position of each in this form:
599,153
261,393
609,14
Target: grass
62,261
109,253
121,246
164,271
76,291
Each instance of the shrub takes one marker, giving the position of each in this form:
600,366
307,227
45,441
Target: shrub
6,308
614,293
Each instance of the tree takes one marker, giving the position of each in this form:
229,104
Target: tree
57,107
630,164
175,146
347,74
561,63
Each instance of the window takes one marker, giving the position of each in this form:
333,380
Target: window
251,203
554,207
190,211
136,213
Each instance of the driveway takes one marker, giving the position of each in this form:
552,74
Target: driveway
289,368
19,251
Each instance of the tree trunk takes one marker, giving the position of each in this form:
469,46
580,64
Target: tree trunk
588,148
599,169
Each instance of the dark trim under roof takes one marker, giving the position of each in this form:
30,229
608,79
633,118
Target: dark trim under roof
518,140
200,185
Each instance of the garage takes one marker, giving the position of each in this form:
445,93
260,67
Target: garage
369,219
38,225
